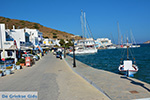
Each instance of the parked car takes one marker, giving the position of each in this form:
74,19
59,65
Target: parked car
36,57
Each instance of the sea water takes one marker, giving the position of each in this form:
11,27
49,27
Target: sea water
109,60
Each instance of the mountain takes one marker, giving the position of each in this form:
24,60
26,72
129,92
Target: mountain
147,42
47,32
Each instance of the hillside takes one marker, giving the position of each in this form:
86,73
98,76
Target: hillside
47,32
147,42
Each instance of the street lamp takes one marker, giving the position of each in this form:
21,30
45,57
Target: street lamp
64,51
74,62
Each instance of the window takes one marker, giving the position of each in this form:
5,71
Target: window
0,55
9,53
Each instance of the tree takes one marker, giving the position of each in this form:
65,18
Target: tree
62,42
70,43
67,45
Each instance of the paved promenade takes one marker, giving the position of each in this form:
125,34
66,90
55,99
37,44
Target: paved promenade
116,87
53,79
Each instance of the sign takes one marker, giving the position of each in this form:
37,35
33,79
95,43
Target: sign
28,61
7,43
19,95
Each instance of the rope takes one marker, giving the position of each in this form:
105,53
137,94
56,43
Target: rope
131,53
122,52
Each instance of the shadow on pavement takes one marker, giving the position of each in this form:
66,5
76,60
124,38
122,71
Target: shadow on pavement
136,83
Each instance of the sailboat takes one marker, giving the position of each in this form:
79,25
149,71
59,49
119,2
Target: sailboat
87,45
134,44
128,67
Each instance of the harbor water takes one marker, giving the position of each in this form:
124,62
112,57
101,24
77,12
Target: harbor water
109,60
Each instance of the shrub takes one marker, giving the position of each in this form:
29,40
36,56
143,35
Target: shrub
54,33
17,63
54,36
36,26
7,20
45,36
22,60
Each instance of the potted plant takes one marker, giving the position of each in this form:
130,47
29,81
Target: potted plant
1,72
8,70
18,65
22,62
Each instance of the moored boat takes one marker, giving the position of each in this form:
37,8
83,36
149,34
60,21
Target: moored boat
128,67
87,45
84,51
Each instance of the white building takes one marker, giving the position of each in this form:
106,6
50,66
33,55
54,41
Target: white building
36,37
20,36
25,38
48,42
6,41
56,42
2,35
7,47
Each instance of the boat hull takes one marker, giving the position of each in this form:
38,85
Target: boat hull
90,51
111,47
128,73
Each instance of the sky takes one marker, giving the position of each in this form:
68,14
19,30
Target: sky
102,16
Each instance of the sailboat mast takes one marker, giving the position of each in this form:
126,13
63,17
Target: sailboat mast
82,24
127,50
121,40
118,34
85,26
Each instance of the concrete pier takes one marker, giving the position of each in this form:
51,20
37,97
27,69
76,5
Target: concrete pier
114,86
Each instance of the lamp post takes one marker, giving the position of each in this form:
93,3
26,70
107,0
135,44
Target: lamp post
74,62
64,51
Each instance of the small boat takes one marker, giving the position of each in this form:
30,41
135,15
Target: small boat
84,50
111,47
134,46
128,67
